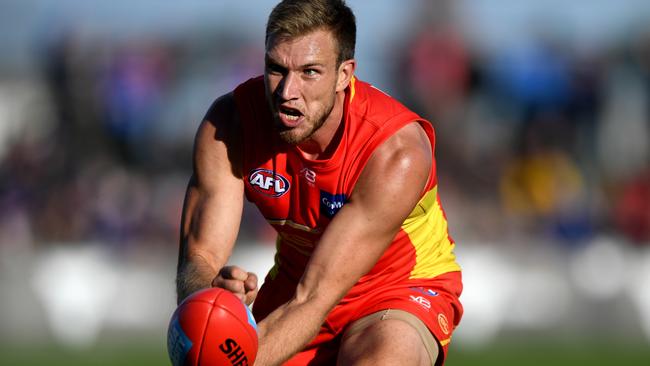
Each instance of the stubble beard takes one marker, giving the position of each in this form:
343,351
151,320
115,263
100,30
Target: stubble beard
294,137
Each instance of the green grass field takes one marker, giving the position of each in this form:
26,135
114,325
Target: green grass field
560,354
130,353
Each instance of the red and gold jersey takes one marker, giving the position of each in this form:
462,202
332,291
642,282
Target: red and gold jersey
299,196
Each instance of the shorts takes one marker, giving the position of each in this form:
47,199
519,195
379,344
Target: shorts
434,301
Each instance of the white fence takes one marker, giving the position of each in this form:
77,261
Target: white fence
71,293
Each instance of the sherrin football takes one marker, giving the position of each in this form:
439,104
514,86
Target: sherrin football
212,327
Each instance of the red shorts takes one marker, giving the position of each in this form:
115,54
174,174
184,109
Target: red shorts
434,301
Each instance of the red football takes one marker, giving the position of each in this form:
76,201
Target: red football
212,327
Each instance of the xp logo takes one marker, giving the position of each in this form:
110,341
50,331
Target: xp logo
267,182
422,301
330,204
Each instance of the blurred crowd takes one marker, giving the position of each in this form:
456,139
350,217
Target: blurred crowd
545,140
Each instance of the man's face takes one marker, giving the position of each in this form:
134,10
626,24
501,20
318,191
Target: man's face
300,78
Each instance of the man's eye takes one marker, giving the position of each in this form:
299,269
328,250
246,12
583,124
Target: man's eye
311,72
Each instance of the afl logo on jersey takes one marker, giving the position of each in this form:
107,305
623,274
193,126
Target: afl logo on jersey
268,183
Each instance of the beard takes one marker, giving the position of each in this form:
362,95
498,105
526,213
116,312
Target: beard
305,130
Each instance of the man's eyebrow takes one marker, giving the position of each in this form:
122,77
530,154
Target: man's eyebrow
311,64
268,59
271,61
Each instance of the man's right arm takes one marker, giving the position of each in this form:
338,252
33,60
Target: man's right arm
213,201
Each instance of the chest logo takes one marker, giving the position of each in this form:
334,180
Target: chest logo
268,183
309,175
330,204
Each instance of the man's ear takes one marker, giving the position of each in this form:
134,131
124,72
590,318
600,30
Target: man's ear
345,73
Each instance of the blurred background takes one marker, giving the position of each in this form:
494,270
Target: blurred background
542,113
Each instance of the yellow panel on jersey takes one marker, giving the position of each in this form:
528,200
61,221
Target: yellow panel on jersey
426,228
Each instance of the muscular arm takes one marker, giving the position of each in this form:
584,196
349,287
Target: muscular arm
213,201
386,192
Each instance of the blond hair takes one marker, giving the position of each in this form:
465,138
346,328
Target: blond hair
293,18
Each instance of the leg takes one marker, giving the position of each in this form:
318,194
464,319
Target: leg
388,337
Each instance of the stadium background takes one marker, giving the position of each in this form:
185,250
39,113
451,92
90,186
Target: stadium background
543,117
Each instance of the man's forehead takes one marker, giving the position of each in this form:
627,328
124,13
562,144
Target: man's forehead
317,43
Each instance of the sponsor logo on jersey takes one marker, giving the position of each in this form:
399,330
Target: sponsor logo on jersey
427,291
443,323
330,204
267,182
421,300
309,175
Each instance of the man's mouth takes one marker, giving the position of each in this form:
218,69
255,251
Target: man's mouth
290,117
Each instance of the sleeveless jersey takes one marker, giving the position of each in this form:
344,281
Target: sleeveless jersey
300,196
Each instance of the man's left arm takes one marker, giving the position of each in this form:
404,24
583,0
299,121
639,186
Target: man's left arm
388,189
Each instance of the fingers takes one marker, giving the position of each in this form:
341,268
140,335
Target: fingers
250,285
251,282
234,286
241,283
233,273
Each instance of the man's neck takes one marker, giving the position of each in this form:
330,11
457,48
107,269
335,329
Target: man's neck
324,141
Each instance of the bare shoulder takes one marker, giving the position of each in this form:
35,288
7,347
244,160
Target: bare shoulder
397,172
221,118
218,140
406,153
223,106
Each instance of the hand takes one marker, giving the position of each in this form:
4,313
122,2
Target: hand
241,283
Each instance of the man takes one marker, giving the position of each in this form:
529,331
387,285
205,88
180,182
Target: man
364,271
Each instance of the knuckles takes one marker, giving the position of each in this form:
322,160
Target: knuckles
236,280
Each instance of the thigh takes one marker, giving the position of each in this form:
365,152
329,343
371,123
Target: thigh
434,304
388,337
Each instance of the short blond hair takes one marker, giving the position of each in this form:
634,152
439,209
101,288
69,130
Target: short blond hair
293,18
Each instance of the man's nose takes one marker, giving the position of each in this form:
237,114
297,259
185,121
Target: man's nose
290,87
